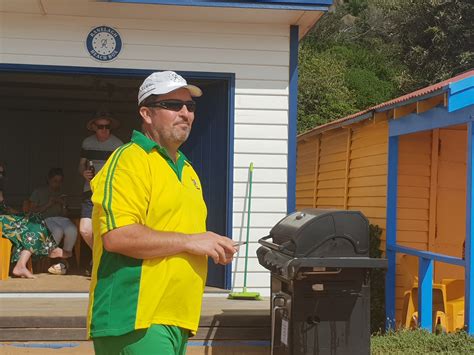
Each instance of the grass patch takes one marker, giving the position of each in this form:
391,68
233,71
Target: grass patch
422,342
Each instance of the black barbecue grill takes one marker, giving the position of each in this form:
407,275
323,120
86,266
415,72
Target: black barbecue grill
320,265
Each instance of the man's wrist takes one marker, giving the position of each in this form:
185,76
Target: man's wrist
185,239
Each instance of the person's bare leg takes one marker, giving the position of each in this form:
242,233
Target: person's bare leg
20,268
85,229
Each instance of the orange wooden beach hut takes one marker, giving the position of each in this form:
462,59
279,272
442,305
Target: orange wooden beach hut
408,165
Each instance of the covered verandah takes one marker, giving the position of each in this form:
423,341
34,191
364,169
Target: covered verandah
456,110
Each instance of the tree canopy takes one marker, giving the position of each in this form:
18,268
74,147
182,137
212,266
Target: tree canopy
365,52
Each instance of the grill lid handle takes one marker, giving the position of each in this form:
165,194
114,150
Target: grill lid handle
270,245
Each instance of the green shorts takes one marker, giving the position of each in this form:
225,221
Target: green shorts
158,339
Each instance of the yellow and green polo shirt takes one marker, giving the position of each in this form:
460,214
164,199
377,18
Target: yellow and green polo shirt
141,184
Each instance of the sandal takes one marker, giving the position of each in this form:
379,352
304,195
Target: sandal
57,269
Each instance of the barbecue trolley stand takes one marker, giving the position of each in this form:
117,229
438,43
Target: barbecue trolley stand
320,282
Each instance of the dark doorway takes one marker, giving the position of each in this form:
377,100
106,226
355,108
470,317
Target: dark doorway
207,149
44,111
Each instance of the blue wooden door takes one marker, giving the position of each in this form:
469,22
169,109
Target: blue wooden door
207,148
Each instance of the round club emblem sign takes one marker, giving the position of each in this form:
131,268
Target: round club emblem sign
104,43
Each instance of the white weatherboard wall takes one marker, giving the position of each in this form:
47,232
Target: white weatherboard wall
258,54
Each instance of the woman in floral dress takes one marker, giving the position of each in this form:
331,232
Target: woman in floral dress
28,234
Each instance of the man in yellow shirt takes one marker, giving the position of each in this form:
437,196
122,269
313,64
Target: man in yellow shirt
150,256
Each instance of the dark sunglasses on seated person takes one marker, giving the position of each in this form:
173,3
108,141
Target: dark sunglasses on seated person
102,126
174,105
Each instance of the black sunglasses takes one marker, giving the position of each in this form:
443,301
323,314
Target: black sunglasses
174,105
102,126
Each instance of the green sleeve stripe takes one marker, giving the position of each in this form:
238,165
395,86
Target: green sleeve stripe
110,184
107,201
104,204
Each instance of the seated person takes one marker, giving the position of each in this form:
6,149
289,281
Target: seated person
50,201
27,233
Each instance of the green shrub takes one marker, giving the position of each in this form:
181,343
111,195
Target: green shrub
422,342
367,88
377,283
323,95
340,81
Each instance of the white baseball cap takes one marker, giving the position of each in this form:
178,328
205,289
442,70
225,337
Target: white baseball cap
163,82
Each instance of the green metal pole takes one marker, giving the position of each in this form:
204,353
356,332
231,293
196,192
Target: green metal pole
248,226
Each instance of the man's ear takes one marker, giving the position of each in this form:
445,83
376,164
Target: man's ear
145,113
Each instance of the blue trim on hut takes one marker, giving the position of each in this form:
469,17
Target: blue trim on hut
469,246
292,120
461,94
391,239
425,293
435,118
306,5
230,173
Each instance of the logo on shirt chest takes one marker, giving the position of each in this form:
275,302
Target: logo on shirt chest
196,185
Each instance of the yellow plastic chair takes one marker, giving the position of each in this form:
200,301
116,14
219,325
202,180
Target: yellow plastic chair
455,303
410,307
448,305
409,313
5,254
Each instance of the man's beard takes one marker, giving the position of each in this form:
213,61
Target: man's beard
180,136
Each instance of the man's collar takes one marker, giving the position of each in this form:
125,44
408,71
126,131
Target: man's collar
147,145
144,142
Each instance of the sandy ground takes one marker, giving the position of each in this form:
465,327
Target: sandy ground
81,348
85,348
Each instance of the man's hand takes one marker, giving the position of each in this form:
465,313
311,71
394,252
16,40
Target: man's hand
220,249
88,174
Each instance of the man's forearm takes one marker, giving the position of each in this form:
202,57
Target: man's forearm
140,242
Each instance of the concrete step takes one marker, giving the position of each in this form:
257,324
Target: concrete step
244,326
86,348
43,319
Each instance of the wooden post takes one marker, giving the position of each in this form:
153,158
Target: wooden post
425,293
348,163
469,265
433,188
316,170
391,242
